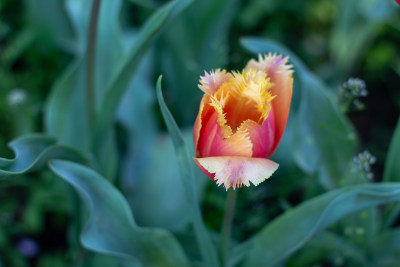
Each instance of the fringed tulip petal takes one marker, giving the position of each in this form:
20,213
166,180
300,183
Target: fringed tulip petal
211,82
241,121
280,74
237,171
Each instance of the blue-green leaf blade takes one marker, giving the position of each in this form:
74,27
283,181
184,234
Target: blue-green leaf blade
66,114
391,173
392,166
186,169
111,228
385,248
288,232
326,244
33,151
123,76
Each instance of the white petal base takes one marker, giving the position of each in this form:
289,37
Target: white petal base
237,171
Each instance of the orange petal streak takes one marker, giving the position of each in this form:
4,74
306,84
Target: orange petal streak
237,171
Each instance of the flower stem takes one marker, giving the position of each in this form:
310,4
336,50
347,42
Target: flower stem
90,61
227,224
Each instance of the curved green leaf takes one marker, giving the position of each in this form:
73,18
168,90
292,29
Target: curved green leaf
186,169
287,233
33,151
111,228
324,141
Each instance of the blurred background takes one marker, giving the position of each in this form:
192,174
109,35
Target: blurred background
41,41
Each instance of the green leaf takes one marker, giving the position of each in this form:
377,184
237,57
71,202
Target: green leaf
48,18
325,141
362,26
123,75
161,177
33,151
111,228
149,169
392,166
185,162
328,244
385,248
203,29
290,231
391,173
136,116
66,115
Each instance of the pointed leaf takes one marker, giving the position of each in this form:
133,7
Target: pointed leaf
187,174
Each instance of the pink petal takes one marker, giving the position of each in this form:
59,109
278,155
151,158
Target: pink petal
237,171
213,142
210,82
262,136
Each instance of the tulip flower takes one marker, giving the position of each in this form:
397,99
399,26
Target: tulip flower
241,120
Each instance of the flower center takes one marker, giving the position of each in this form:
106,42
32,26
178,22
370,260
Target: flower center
246,96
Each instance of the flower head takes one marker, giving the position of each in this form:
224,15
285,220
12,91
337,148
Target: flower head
241,121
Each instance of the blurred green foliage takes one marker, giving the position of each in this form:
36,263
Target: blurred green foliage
321,202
